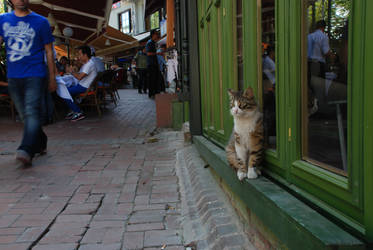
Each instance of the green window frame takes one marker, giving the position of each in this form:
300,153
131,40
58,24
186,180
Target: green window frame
218,73
345,199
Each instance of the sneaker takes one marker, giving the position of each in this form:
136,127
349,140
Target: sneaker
24,158
69,115
77,117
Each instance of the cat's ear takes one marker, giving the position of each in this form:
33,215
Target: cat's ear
249,92
230,92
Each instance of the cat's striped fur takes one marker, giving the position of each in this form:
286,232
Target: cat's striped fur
245,148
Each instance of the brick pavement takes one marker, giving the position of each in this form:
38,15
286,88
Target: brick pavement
102,185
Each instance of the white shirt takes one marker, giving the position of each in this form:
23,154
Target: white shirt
89,69
269,69
318,45
99,64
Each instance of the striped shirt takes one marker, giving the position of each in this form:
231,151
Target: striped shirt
318,45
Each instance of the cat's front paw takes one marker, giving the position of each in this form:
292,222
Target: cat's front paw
241,175
251,173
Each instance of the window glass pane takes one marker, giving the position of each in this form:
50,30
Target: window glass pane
126,22
325,88
269,71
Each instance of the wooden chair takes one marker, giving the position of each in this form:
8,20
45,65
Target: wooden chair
91,96
6,102
107,87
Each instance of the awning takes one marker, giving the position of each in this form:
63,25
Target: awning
112,41
88,21
86,18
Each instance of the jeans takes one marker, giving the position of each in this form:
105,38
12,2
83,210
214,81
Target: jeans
27,94
47,108
75,90
153,80
141,73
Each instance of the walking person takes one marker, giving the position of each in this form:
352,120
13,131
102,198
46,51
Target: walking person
27,37
141,64
152,64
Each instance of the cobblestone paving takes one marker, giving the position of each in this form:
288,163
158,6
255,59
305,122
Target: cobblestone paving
104,184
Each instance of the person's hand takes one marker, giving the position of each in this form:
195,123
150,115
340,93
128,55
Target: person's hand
52,85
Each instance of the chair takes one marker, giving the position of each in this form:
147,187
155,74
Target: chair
6,101
107,87
91,97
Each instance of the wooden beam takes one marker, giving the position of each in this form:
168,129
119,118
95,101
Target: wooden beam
119,40
81,13
115,49
75,26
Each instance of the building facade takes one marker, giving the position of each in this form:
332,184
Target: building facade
128,16
309,65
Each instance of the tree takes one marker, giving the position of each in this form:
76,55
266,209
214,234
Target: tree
334,12
154,20
2,6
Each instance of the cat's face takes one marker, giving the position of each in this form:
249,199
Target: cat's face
242,104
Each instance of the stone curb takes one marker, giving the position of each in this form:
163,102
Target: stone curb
209,220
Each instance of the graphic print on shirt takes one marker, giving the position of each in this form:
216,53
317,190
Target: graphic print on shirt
20,40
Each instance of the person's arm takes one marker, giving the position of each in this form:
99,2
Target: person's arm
51,67
83,72
4,84
79,75
326,48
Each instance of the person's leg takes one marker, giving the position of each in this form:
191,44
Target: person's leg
34,139
16,91
158,80
145,81
152,80
140,75
74,90
47,106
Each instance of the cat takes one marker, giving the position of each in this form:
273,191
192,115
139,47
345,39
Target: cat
245,148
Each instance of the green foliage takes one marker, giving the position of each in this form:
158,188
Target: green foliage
2,6
154,20
339,13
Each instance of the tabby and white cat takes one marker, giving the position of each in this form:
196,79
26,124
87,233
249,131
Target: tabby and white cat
245,148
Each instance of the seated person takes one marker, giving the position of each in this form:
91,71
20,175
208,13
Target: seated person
4,88
86,76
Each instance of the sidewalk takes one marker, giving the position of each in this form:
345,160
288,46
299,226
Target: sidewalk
106,183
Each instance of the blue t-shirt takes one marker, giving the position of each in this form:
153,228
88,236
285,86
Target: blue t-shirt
25,38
